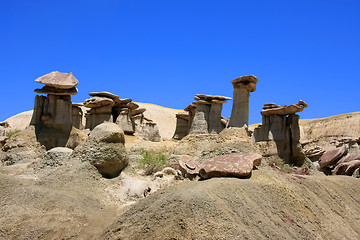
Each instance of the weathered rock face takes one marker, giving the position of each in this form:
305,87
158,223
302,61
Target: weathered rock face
232,165
330,157
182,125
349,157
240,110
22,147
347,168
331,132
104,149
285,131
77,116
207,114
203,147
201,118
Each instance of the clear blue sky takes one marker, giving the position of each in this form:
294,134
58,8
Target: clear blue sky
165,52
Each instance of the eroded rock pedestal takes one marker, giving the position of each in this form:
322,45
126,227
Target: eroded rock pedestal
240,110
281,124
52,115
207,117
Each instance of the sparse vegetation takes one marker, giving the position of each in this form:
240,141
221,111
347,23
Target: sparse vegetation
12,132
152,161
278,162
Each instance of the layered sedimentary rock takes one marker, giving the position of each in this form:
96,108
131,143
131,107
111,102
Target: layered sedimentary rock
52,116
77,115
182,125
207,117
240,110
281,124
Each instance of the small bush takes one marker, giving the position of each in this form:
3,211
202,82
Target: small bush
12,132
152,161
277,161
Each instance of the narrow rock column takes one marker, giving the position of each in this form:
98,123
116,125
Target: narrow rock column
200,121
240,111
215,125
182,125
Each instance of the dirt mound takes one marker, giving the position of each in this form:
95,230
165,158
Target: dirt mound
269,205
20,121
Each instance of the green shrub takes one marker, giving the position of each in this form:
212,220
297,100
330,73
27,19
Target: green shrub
277,161
12,132
152,161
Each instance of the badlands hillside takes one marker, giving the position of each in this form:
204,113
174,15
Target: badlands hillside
55,194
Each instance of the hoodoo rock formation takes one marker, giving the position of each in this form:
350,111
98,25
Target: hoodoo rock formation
281,124
207,117
240,110
52,115
108,107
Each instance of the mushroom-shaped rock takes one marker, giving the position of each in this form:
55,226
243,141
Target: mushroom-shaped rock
211,97
330,157
273,109
249,82
104,149
231,165
347,168
240,110
94,102
56,91
189,166
58,80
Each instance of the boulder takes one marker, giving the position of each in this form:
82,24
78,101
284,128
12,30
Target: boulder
108,133
231,165
349,157
330,157
104,149
347,168
54,157
76,138
58,80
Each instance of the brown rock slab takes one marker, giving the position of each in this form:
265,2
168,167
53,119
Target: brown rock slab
191,106
231,165
57,91
349,157
58,80
132,105
330,157
347,168
98,102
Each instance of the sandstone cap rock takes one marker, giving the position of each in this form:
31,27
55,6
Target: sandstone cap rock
57,91
183,115
248,81
58,80
273,109
137,111
98,102
191,106
211,97
114,97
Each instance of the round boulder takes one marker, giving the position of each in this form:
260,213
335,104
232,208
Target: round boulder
105,150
